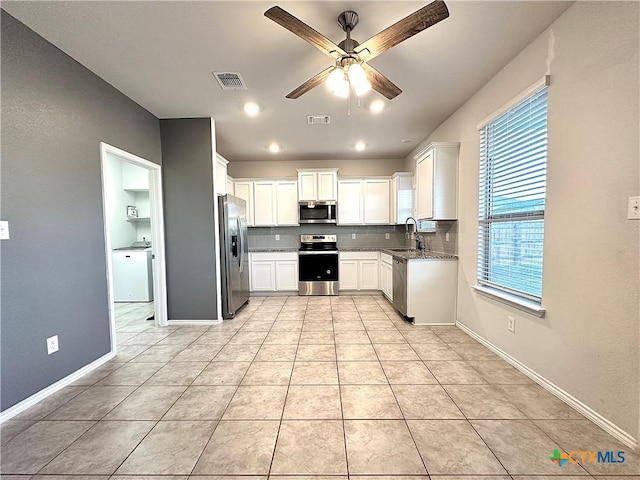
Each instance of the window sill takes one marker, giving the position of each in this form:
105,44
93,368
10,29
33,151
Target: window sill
513,300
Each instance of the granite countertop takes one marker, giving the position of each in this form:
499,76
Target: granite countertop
406,254
420,255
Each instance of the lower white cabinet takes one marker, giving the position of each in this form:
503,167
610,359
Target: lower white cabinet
273,271
358,271
386,275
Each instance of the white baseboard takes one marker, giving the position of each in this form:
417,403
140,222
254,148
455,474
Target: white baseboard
566,397
51,389
195,322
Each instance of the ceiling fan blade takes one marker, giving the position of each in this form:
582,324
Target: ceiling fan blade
304,31
405,28
380,83
311,83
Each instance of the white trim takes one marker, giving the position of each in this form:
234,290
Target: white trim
195,322
216,223
543,82
157,225
520,303
53,388
552,388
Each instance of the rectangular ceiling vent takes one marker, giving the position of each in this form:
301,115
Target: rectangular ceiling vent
318,119
230,81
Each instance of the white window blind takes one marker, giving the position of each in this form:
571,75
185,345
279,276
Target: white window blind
513,180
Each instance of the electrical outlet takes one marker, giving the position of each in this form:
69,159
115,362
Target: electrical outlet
4,230
633,210
511,324
52,344
277,237
446,237
353,236
386,236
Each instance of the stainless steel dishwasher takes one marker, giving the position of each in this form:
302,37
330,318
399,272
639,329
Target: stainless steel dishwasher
400,285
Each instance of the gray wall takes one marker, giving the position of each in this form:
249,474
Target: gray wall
587,344
189,221
55,113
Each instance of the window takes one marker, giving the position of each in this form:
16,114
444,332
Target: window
513,179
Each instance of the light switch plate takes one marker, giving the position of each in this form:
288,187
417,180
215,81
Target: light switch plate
353,236
4,230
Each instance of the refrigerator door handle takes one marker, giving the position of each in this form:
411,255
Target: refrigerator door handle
240,244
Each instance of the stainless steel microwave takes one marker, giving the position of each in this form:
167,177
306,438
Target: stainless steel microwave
317,212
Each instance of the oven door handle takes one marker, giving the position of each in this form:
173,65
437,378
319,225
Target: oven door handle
319,252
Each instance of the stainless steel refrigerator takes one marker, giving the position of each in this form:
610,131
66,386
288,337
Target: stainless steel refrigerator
234,254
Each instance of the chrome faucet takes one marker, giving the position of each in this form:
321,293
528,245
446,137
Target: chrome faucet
408,234
411,235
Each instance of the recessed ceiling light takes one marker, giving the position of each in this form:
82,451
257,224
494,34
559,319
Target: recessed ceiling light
376,106
360,146
274,148
251,108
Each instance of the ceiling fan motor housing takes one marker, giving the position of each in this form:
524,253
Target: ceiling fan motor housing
348,20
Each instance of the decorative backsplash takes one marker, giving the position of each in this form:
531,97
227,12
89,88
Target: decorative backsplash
365,236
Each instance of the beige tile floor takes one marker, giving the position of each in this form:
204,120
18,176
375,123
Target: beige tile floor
301,386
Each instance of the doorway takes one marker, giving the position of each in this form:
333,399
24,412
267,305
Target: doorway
133,221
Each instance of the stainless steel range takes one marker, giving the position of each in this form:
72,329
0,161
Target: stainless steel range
318,265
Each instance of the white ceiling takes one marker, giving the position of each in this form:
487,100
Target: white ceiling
161,55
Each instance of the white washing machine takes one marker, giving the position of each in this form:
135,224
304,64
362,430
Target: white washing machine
132,275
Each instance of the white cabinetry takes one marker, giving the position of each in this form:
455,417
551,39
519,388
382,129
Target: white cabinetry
273,271
229,187
264,203
363,202
317,185
375,201
287,203
401,197
358,270
270,203
221,175
431,291
350,202
244,190
437,182
386,275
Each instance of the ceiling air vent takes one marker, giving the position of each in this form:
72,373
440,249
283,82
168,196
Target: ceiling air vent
318,119
230,81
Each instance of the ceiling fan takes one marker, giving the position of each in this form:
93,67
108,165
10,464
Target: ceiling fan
351,70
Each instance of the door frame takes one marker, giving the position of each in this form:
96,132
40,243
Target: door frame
157,234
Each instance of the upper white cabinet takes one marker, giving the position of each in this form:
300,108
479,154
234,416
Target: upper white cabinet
264,203
271,202
437,182
221,175
134,177
287,203
317,185
363,202
350,202
230,188
375,201
401,197
244,190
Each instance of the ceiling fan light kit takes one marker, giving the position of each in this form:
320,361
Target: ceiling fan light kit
351,71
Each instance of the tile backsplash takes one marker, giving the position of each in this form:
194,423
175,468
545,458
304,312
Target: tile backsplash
366,236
